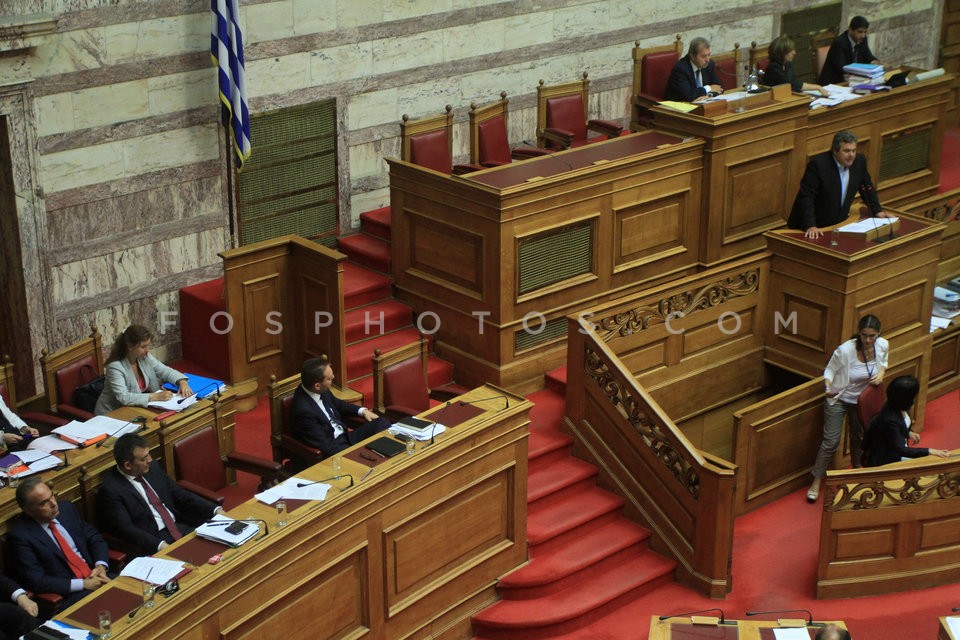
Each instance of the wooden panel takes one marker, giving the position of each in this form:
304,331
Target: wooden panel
865,544
751,206
261,299
940,534
649,230
445,253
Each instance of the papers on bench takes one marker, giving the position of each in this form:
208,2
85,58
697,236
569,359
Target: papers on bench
153,570
49,444
28,462
216,530
288,489
867,225
176,403
417,428
94,430
837,93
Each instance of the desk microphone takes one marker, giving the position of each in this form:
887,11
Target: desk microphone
300,485
204,388
436,421
955,610
266,527
810,622
140,419
723,619
506,399
550,154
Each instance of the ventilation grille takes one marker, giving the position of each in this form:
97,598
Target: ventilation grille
554,330
289,185
809,29
555,256
904,153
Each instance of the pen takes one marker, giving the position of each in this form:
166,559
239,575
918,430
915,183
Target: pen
378,453
369,471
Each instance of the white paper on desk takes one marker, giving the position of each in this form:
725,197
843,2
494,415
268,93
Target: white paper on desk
40,461
797,633
866,225
937,322
49,444
217,532
72,632
289,489
89,429
174,403
953,624
156,570
729,96
416,434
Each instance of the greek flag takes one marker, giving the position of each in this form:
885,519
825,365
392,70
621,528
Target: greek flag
226,45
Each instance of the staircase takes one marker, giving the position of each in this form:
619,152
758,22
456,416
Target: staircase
373,319
586,559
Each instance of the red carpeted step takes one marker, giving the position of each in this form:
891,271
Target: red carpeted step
546,476
547,444
367,251
361,286
568,510
556,380
375,320
548,410
376,223
592,597
360,354
594,551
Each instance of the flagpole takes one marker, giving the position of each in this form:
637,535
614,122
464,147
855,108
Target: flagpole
228,156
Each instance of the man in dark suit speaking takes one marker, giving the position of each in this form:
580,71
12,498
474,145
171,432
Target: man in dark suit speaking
141,505
828,187
694,76
316,415
52,549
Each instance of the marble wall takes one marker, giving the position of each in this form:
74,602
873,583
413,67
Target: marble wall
130,201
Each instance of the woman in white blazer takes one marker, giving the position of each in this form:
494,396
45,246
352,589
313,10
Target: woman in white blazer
133,376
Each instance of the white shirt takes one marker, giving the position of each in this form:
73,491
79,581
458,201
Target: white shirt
11,417
143,494
844,180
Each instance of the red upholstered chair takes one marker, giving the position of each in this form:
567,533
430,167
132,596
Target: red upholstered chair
870,403
428,142
759,56
200,468
651,70
400,387
8,390
67,369
562,116
285,446
726,66
489,143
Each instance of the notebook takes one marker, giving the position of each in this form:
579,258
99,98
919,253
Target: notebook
386,447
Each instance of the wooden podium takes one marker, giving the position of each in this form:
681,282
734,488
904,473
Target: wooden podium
753,161
683,629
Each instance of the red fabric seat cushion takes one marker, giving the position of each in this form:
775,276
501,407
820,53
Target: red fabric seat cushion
870,403
566,112
727,73
73,375
404,384
431,150
197,459
492,142
655,69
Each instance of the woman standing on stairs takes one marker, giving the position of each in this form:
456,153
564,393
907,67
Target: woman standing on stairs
859,361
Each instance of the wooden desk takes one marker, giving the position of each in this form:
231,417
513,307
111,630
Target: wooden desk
673,629
80,477
550,235
412,550
900,133
753,162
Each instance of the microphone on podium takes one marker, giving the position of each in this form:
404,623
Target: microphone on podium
723,618
810,622
506,399
436,421
300,485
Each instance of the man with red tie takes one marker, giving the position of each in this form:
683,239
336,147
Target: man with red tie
316,415
141,505
52,549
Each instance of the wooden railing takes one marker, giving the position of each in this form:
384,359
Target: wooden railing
685,497
890,528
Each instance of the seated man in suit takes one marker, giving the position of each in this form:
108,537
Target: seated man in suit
52,549
17,611
694,77
316,415
828,187
14,429
849,47
141,505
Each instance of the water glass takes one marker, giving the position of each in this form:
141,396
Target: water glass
335,465
411,446
103,618
149,592
281,513
834,237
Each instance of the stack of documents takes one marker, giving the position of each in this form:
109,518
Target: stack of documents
94,430
201,386
417,428
864,72
288,490
24,463
837,95
153,570
176,403
216,530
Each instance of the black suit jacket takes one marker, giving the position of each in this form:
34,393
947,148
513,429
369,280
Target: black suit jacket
682,84
309,425
777,73
123,512
840,55
38,561
14,621
818,201
886,438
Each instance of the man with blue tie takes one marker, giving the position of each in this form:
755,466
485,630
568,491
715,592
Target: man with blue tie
316,415
832,179
694,77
